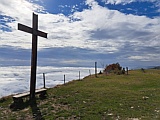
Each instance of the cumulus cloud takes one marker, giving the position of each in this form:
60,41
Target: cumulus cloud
97,29
15,9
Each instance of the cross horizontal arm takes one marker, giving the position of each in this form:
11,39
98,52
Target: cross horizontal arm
42,34
30,30
25,28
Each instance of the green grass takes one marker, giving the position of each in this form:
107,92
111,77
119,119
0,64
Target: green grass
111,97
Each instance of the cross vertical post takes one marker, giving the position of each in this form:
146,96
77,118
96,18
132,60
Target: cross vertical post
34,57
35,33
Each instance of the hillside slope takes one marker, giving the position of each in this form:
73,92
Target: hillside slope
124,97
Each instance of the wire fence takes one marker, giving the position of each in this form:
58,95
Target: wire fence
56,77
16,79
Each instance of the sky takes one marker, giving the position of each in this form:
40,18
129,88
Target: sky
81,32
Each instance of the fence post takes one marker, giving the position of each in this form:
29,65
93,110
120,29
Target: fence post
95,69
64,79
127,70
79,75
90,72
44,80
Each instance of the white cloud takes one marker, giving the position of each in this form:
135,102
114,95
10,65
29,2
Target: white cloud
91,3
127,1
98,29
146,57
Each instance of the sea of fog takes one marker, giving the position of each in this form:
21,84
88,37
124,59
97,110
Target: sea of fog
16,79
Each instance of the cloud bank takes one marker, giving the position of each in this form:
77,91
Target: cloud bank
15,79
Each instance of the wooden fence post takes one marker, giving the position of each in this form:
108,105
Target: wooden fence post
127,70
95,69
44,80
90,72
64,79
79,75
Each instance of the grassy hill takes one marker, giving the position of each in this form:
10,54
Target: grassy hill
123,97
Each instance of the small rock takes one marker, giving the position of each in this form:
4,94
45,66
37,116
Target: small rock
110,114
157,111
145,97
133,119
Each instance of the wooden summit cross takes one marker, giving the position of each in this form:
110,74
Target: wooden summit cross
35,33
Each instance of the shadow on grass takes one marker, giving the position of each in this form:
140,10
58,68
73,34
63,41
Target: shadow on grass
36,113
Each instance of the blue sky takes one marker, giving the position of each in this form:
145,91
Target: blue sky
81,32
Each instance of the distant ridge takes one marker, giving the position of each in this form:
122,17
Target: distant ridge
157,67
147,67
